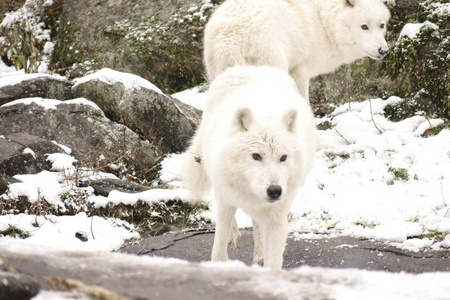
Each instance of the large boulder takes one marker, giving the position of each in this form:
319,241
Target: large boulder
133,101
159,40
34,85
79,124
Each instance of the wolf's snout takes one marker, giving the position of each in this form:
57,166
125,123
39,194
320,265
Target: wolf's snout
383,50
274,192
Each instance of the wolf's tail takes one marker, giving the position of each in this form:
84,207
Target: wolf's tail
192,173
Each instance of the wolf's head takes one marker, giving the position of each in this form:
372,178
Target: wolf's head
366,21
264,158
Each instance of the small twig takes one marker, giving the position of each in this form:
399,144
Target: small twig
431,125
348,143
92,231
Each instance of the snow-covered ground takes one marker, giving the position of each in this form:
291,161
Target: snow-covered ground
372,178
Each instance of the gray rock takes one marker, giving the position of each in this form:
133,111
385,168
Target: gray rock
165,121
13,159
35,85
84,128
340,252
18,286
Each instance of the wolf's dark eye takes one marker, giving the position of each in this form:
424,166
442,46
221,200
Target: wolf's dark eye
382,26
256,156
283,158
365,27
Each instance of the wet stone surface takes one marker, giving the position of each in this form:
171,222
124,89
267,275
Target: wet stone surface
339,252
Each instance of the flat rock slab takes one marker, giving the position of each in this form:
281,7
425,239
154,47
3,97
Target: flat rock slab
26,270
339,252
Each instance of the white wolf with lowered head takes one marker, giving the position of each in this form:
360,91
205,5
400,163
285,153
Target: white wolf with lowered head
303,37
254,146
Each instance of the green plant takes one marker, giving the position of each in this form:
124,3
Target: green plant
23,47
399,174
432,235
365,224
14,232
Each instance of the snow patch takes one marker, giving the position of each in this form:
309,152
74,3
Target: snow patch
109,76
411,30
61,161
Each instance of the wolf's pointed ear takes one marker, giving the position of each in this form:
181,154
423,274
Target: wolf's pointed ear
244,119
290,119
351,2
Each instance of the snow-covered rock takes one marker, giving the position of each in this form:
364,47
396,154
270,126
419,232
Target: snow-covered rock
80,125
34,85
138,104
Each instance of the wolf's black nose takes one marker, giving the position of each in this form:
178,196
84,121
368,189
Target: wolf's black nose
274,191
383,50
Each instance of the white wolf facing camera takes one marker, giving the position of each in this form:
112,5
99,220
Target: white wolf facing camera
254,146
303,37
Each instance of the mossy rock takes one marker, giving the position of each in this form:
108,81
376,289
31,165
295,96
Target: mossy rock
160,41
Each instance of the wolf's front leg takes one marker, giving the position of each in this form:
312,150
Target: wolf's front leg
275,235
301,78
258,249
224,224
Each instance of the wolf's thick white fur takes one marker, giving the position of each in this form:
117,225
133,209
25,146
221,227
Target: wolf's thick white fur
255,146
303,37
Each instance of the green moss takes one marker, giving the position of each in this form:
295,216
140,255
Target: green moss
325,125
418,67
415,69
402,110
168,50
64,55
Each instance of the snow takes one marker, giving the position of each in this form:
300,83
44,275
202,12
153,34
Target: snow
149,196
65,148
61,161
48,48
412,29
192,97
7,79
6,71
38,186
52,295
29,151
45,103
111,77
102,234
50,103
